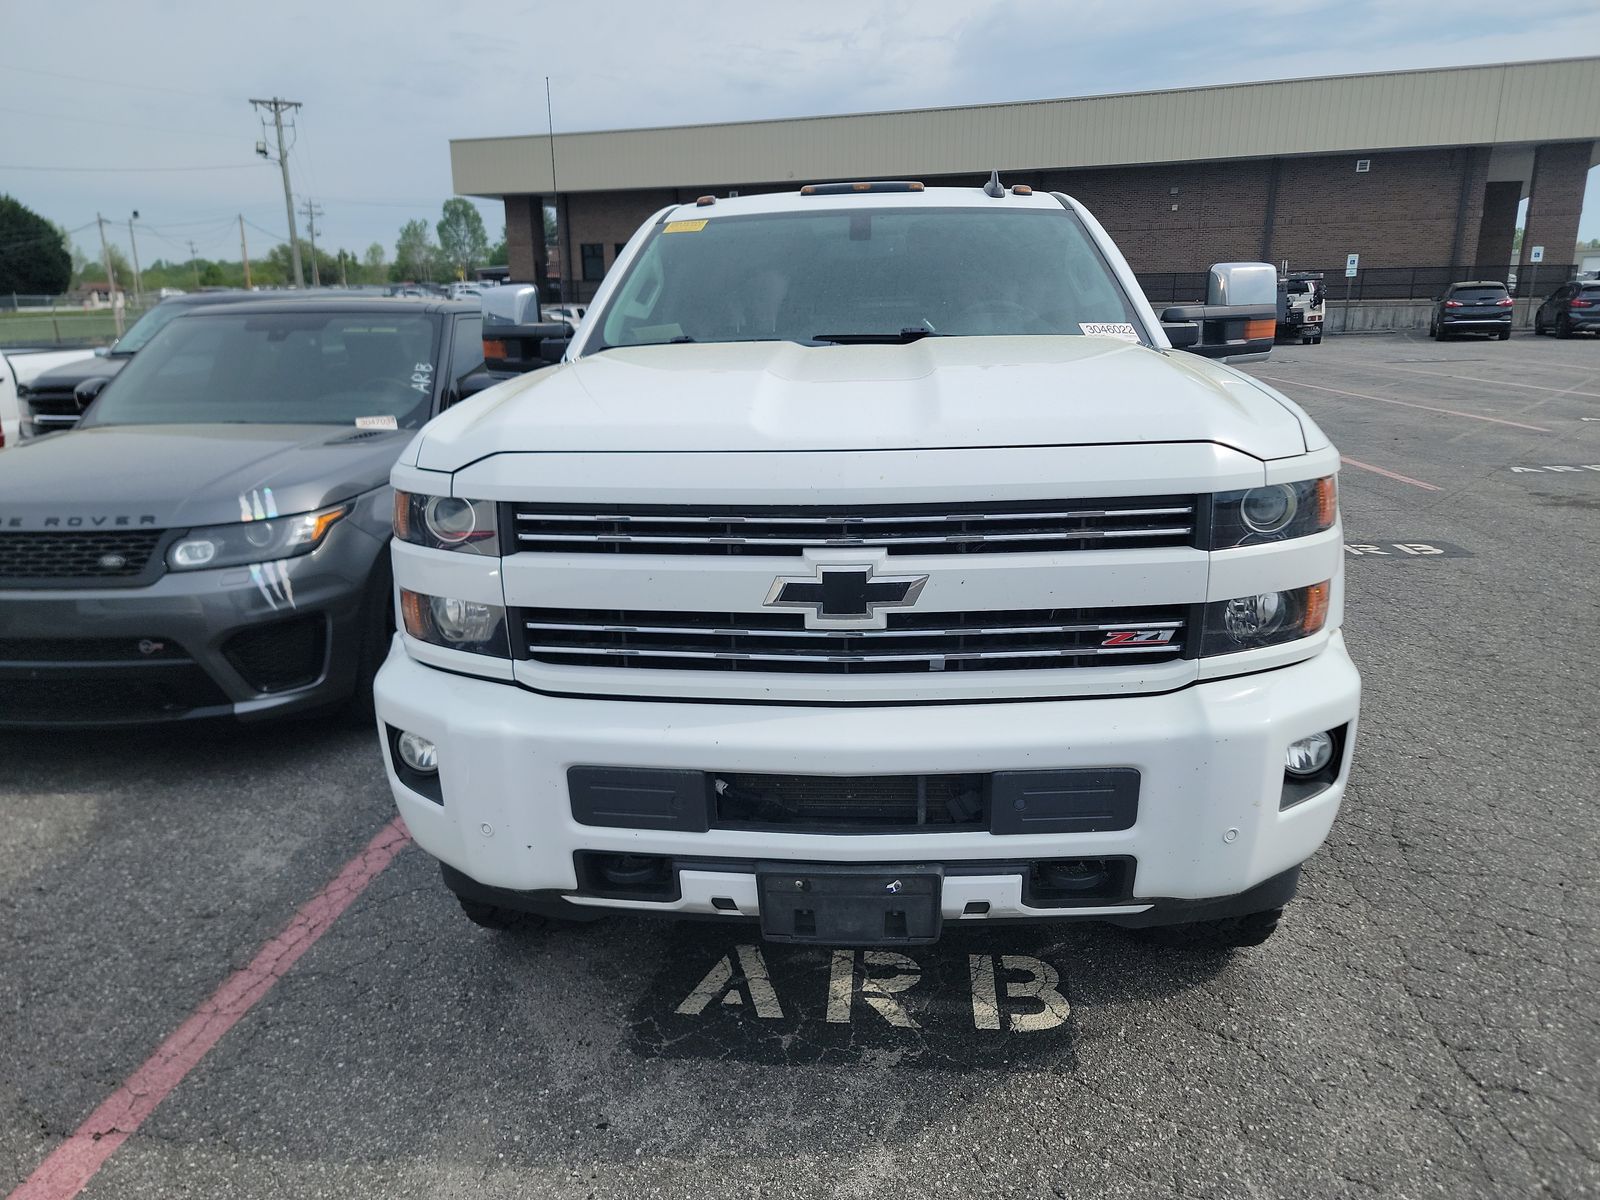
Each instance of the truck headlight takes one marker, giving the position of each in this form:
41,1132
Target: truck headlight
1274,512
253,541
447,523
468,625
1265,619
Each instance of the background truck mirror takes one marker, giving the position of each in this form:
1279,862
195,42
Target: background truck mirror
1239,320
86,391
517,348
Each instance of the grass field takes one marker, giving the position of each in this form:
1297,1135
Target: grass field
96,328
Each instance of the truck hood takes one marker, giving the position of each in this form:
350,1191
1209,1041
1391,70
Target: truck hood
933,394
69,375
182,476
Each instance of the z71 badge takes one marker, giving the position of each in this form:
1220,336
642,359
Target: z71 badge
1139,637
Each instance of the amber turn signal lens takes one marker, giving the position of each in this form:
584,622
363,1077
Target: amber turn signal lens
1260,328
1316,611
1327,501
413,612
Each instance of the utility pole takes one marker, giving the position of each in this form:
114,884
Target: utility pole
194,264
277,108
312,213
138,285
343,281
111,274
244,253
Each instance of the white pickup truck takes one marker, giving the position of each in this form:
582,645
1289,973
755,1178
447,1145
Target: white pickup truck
873,561
18,368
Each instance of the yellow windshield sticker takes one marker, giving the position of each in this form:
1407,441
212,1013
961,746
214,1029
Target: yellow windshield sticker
685,226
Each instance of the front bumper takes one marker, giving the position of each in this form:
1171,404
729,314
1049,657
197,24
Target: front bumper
1208,823
168,651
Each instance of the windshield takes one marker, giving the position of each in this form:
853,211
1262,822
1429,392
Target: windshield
147,326
805,277
279,368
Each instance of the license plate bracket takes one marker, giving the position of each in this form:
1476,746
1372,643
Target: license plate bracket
850,905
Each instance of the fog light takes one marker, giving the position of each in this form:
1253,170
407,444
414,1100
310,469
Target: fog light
421,755
1309,755
1253,618
463,620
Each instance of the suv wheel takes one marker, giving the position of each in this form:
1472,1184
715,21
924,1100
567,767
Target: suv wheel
375,629
1563,326
1538,327
1505,335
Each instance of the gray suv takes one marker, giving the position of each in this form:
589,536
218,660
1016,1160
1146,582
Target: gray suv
212,538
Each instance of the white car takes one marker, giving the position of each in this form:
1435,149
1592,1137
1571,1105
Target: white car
872,562
18,368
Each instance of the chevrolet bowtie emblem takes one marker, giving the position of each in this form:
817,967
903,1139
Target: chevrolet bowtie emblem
846,596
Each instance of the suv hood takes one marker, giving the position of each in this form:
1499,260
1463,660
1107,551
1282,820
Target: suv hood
181,476
933,394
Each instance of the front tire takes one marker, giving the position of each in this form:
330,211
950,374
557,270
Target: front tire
1228,933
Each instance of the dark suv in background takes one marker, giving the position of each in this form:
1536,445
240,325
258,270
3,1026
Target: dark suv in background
1571,308
1474,306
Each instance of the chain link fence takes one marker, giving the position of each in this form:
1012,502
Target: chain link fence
62,320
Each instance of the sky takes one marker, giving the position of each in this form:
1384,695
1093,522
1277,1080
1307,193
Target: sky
144,104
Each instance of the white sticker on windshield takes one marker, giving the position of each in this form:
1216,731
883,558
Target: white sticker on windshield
383,422
1121,330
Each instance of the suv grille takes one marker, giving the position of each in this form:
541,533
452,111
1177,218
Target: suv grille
913,642
76,554
1011,527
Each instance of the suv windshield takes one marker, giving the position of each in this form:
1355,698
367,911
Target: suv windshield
147,326
856,273
279,368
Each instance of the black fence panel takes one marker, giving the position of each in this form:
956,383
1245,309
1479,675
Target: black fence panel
1374,283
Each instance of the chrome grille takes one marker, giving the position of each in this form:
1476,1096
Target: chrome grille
912,642
1010,527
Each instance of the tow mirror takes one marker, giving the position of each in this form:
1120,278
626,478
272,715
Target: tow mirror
1239,319
86,391
514,338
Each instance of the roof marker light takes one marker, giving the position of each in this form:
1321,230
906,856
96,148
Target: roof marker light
704,201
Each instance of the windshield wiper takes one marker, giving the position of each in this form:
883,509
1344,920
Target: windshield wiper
906,336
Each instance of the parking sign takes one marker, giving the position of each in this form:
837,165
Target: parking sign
1351,261
1536,254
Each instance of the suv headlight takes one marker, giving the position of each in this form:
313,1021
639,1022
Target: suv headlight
447,523
253,541
455,624
1274,512
1265,619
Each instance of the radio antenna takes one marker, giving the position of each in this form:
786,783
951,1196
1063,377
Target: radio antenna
994,187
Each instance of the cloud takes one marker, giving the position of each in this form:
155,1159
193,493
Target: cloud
386,85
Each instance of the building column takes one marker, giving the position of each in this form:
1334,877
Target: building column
1469,211
1560,171
525,254
1497,229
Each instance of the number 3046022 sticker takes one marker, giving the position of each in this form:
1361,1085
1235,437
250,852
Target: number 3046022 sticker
1121,330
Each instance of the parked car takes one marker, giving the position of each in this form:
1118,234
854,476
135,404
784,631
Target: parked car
1473,306
20,367
1572,308
49,401
464,291
875,561
212,539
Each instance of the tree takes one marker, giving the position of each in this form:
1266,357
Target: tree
373,263
32,256
415,254
499,256
461,236
94,271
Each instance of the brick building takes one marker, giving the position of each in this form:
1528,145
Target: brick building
1421,173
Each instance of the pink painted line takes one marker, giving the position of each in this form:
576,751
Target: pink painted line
75,1161
1427,487
1454,412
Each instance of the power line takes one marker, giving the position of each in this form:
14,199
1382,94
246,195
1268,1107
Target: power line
131,170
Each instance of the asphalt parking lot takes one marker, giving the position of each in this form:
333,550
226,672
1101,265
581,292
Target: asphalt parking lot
1426,1022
